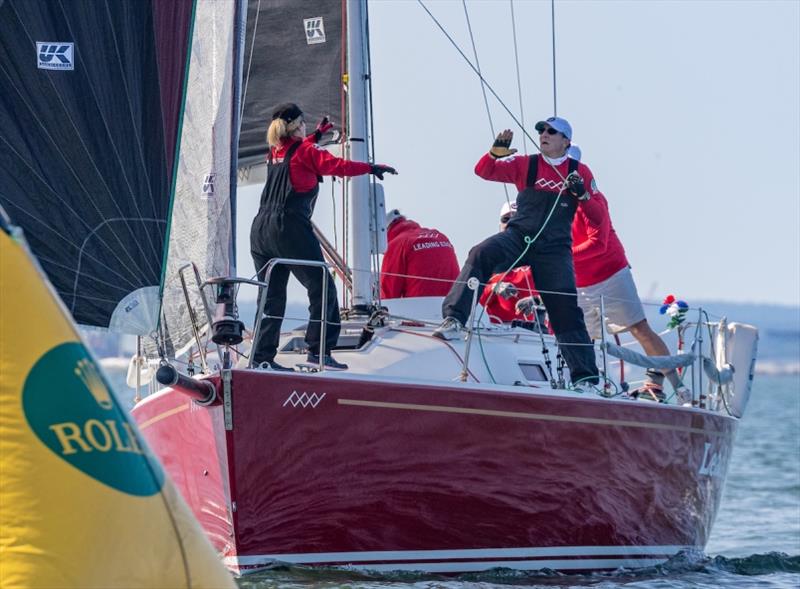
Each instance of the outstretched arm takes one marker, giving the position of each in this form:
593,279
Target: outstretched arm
501,165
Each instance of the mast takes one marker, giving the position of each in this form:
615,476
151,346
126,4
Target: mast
359,185
239,31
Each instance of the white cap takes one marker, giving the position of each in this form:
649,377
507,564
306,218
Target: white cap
392,216
574,152
508,207
559,124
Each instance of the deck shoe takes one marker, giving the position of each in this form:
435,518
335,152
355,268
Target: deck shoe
272,365
449,329
330,363
683,396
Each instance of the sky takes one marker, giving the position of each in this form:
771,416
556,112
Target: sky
687,113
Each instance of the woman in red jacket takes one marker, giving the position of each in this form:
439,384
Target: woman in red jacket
282,229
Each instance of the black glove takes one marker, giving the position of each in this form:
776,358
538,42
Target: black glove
500,147
575,186
527,305
505,290
379,170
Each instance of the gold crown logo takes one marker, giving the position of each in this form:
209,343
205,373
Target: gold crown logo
86,371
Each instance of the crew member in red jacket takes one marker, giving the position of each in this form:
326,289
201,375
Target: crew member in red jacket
601,268
282,229
552,186
419,262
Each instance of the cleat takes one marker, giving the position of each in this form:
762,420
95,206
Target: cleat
330,363
449,329
272,365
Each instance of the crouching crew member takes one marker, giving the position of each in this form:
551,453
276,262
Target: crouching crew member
546,218
282,229
419,262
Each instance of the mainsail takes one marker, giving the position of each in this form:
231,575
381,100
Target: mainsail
294,52
115,131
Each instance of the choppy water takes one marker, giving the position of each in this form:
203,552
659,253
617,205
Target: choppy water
755,541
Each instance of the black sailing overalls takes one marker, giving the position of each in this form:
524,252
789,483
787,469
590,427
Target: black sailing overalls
550,259
282,229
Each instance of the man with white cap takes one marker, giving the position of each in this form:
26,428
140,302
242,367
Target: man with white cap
551,188
419,262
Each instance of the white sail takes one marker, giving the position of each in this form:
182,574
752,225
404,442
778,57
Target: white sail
201,226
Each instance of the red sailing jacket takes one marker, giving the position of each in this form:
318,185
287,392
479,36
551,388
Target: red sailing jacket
502,310
416,251
597,252
311,161
514,170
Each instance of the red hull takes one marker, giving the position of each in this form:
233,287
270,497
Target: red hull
322,470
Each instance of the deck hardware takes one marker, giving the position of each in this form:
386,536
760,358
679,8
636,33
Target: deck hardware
227,401
473,284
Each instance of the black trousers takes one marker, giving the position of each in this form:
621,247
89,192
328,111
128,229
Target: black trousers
553,272
291,237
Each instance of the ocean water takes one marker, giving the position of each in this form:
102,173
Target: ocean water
755,540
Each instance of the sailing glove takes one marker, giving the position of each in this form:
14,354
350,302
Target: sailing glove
527,305
501,145
575,186
379,170
322,127
505,290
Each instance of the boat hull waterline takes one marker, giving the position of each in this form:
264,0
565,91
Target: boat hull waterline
378,475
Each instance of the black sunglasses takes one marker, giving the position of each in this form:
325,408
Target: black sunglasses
505,218
549,131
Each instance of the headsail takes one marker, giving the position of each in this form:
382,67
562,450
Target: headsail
115,131
293,53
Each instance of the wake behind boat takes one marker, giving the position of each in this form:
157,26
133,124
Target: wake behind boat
433,455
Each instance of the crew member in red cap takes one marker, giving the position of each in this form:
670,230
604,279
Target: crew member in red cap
419,262
551,188
282,229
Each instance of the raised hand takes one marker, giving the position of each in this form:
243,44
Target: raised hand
322,127
501,146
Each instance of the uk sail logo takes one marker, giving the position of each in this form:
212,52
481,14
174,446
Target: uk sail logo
209,185
315,30
52,55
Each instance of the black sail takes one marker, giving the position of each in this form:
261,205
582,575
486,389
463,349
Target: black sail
293,53
90,110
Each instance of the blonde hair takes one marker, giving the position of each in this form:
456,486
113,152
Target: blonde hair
279,130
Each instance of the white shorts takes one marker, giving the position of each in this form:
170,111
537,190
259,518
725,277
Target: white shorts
620,299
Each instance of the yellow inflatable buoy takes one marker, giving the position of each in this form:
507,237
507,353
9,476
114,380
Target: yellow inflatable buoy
83,502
